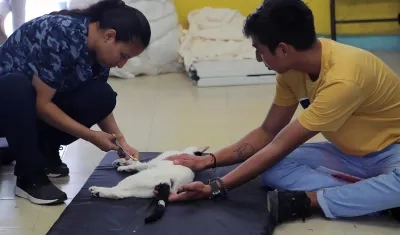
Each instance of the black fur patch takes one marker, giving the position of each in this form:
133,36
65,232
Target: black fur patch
197,153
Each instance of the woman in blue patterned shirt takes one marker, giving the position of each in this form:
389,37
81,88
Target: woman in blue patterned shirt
53,88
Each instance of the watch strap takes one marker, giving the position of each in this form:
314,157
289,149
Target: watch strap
215,190
223,186
218,192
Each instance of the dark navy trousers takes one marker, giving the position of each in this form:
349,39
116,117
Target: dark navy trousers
88,105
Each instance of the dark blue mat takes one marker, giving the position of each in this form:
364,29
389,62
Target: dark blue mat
243,214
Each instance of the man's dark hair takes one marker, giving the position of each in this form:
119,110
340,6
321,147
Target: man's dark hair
276,21
129,23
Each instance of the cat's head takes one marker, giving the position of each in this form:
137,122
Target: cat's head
198,151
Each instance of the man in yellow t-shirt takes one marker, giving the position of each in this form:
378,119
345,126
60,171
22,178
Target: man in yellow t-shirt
348,94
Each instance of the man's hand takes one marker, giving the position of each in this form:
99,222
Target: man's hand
195,163
190,192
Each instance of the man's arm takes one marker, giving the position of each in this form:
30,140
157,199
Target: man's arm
332,107
291,137
278,117
53,115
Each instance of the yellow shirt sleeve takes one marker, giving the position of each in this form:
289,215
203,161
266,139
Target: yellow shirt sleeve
334,103
284,96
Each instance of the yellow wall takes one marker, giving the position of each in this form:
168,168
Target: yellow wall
345,9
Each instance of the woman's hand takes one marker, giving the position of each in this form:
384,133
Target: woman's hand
132,151
193,191
103,141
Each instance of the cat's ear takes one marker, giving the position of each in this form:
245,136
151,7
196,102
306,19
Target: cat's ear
201,150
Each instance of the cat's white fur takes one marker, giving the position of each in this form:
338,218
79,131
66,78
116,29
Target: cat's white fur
151,174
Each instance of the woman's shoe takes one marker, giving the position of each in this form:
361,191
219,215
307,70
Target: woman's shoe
6,158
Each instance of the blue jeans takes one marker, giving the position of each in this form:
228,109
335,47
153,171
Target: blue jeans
378,190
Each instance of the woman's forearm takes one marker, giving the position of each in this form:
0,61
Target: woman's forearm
109,125
54,116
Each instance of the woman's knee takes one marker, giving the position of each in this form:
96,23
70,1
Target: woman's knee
104,97
88,104
16,87
95,97
17,84
100,101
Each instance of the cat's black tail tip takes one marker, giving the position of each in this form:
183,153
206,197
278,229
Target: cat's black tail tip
157,214
162,200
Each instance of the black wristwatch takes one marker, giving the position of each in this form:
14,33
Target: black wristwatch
216,191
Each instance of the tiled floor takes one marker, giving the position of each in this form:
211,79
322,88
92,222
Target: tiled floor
166,112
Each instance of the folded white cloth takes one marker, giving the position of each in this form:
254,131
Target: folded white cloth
215,34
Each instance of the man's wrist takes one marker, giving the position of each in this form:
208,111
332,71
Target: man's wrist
208,191
221,184
217,188
209,161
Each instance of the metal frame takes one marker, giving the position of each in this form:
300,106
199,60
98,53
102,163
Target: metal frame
334,22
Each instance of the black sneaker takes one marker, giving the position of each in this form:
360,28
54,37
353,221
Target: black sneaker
55,167
288,205
6,158
395,213
39,190
57,170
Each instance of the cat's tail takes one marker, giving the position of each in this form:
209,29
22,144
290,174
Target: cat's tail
161,199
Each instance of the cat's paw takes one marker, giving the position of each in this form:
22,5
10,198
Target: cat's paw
119,162
122,162
95,191
103,192
129,168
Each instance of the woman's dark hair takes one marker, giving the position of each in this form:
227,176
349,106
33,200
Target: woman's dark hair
276,21
130,24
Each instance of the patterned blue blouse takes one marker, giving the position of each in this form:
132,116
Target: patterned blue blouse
55,48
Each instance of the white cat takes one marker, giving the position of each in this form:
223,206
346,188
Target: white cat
156,175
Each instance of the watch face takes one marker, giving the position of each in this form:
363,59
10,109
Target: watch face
216,192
